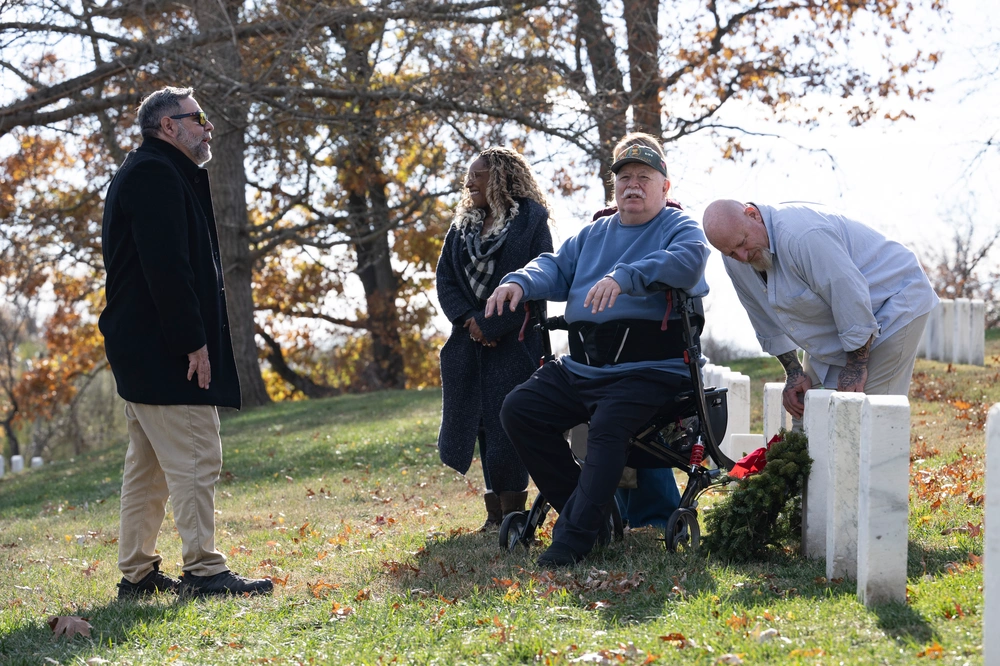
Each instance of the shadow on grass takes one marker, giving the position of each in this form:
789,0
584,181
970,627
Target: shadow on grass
618,582
804,578
923,559
112,624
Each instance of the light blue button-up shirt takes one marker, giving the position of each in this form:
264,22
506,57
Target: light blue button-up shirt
835,283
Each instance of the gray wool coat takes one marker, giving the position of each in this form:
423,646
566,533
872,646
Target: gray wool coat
476,379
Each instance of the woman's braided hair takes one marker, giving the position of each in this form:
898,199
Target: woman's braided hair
510,176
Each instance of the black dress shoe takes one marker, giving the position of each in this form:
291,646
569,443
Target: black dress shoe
558,555
225,583
151,583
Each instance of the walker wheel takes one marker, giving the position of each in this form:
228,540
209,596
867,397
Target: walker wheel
512,531
682,533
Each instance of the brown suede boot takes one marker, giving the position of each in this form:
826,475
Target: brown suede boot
511,501
494,513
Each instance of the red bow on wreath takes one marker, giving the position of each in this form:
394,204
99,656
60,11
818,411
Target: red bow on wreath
753,462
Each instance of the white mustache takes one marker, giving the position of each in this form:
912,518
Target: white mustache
629,191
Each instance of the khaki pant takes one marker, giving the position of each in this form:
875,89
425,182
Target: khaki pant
175,451
890,365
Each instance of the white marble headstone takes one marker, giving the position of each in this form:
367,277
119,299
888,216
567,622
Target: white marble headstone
2,466
738,406
16,464
883,499
842,500
946,340
816,424
991,545
775,416
977,332
961,340
37,462
742,444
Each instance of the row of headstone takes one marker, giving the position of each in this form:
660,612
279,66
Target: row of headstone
856,503
738,406
17,464
955,332
991,538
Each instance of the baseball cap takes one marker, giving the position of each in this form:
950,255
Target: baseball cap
641,154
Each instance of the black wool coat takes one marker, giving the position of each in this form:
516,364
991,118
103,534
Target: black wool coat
165,291
476,379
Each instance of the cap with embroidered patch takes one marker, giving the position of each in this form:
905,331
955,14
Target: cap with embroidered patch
642,155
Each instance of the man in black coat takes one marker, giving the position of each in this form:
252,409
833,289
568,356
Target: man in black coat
166,335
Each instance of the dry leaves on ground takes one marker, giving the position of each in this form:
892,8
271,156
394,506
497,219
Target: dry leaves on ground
68,626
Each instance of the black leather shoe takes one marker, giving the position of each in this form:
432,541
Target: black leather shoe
153,582
558,555
224,583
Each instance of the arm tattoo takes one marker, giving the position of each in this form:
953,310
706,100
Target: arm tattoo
860,355
793,369
857,365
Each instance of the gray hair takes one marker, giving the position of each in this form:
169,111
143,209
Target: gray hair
159,104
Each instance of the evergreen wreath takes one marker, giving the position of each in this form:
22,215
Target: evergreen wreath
765,509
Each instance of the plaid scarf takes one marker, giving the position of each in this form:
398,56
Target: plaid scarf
479,252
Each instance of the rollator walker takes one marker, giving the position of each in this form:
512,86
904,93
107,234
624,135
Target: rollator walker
684,434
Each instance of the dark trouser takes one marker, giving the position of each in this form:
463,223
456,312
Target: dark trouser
537,413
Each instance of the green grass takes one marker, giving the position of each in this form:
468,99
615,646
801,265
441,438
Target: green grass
344,502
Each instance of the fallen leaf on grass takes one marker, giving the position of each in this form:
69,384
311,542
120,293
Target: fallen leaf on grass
729,658
338,612
363,595
69,626
933,651
96,661
736,622
815,652
678,640
320,588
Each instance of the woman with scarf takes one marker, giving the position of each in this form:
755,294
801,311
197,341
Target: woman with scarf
500,225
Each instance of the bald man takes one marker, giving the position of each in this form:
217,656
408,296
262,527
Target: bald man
810,278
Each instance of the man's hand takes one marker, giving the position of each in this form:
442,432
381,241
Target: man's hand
602,295
198,365
854,376
793,395
476,333
797,382
510,291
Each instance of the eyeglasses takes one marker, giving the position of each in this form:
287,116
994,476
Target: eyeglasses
199,116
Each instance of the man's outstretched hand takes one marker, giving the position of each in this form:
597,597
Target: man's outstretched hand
198,365
602,295
506,292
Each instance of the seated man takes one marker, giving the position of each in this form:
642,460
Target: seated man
618,374
855,301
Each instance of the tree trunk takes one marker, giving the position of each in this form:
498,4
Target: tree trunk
381,287
309,388
13,445
609,104
229,115
644,68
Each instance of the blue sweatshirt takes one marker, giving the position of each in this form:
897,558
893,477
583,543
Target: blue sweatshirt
669,249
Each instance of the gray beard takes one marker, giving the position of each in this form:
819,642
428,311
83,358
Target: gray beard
763,262
202,152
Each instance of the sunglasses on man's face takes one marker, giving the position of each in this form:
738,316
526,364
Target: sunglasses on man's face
199,116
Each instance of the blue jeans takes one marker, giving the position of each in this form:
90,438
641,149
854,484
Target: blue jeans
653,501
